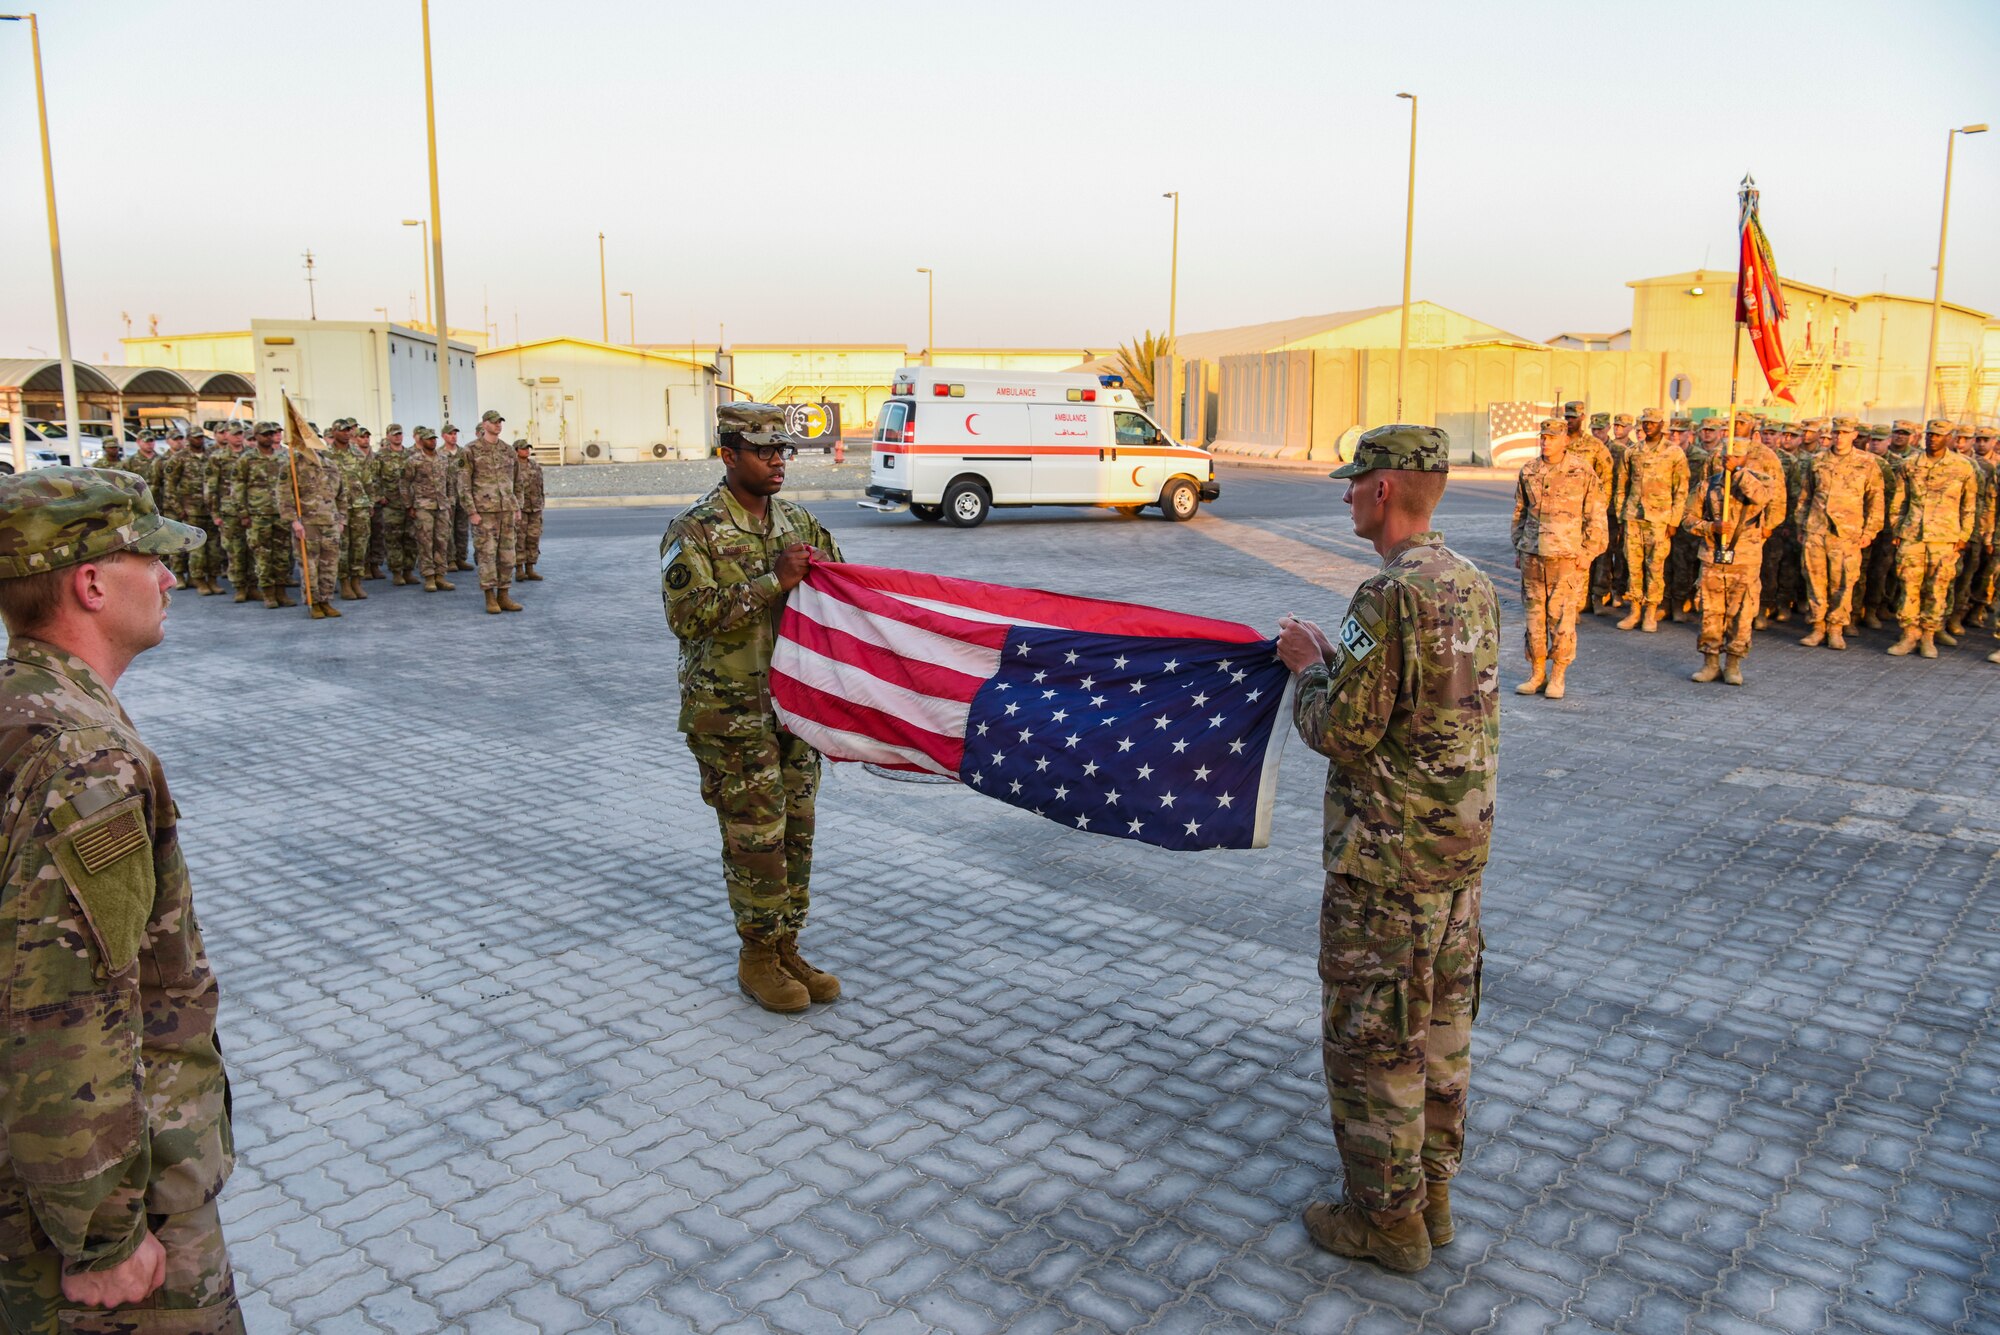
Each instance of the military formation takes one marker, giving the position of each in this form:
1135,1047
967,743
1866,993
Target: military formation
1824,523
346,515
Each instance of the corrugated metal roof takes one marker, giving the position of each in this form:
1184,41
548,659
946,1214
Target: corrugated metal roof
1271,335
45,373
647,352
215,384
146,379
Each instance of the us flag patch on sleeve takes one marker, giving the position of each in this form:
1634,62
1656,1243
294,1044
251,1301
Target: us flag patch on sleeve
118,837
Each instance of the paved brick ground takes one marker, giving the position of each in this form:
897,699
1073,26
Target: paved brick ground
1736,1067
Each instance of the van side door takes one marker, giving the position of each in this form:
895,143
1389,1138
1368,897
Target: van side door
1072,446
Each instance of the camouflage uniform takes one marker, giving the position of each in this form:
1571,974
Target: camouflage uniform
718,578
1407,711
1558,529
461,513
1986,541
1684,552
1730,589
184,497
1783,568
225,493
489,482
1656,487
1842,512
531,496
392,515
427,488
1595,453
1973,556
261,477
1940,497
321,508
359,509
1879,598
114,1101
1621,447
146,466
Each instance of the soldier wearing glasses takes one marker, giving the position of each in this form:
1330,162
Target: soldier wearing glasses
726,564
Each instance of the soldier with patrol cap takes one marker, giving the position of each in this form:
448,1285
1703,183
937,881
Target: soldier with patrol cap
1595,453
1730,513
1840,512
1655,496
1404,704
489,481
114,1121
1939,492
726,564
1558,530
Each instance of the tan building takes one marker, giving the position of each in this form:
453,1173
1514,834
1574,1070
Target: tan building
582,401
231,350
857,376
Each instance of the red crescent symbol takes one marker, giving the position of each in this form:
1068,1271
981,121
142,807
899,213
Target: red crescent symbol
970,430
1135,475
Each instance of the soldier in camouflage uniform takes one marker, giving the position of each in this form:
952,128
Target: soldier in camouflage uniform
427,488
112,455
1973,555
318,518
392,517
1404,705
264,473
1621,444
1655,485
232,519
1784,568
114,1122
372,558
358,509
146,464
1841,510
1683,552
489,481
1731,528
1986,532
1878,564
1938,492
1594,452
181,488
1558,530
461,501
531,496
726,564
218,472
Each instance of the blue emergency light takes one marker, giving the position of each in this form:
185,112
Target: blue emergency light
1111,380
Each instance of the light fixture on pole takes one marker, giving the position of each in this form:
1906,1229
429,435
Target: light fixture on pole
425,233
1174,269
1937,295
930,318
603,300
70,418
631,320
1409,235
440,325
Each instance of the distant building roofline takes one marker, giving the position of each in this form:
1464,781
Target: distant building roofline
648,351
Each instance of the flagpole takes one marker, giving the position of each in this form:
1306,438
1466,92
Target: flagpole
298,504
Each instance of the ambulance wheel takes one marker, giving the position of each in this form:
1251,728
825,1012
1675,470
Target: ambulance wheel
966,504
1179,500
930,514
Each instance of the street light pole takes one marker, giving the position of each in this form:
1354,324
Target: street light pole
426,234
1409,235
436,233
1174,270
1937,295
930,319
70,417
603,301
631,320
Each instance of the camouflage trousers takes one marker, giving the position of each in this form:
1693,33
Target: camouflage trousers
236,551
1970,562
1399,989
1552,590
1986,584
1730,598
493,546
762,788
430,541
528,537
1927,570
354,543
1646,547
461,533
198,1297
1832,567
323,550
1880,594
273,546
392,536
1683,570
378,538
1603,566
1783,570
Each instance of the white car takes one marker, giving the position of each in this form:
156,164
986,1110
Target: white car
47,446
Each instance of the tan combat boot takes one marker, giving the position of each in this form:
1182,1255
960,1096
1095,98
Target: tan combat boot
1993,657
1927,645
1834,639
1346,1230
765,981
1872,621
1631,618
271,600
507,603
820,985
528,575
445,584
1904,645
1732,671
493,601
355,584
1816,638
1710,669
1651,624
1535,679
1955,626
430,584
1437,1212
329,610
1947,637
243,595
1554,690
286,600
316,610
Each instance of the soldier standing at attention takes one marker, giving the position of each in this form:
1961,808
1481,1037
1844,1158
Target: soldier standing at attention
1558,529
1841,505
1987,532
392,518
1404,704
146,463
461,515
264,472
1875,601
1973,555
531,496
1732,551
371,559
489,480
317,517
1621,446
358,510
114,1122
726,564
1593,452
226,508
176,489
1683,560
1940,499
427,485
112,456
1656,487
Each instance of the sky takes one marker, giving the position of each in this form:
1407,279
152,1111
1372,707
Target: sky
779,171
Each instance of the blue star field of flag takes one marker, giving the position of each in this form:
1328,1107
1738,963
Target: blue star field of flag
1159,740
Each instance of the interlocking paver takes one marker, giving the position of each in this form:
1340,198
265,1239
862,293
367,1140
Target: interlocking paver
1734,1070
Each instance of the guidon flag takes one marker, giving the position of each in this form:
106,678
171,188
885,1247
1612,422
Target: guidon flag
1760,303
1109,718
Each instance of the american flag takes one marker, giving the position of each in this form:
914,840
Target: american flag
1109,718
1514,431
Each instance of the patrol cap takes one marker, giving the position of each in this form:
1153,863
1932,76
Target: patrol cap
757,423
1550,426
1623,419
1646,415
1880,431
364,431
1985,433
1679,423
266,428
1574,408
1406,449
1604,419
1939,426
1846,424
1906,425
491,415
392,428
56,517
521,444
449,429
1711,420
176,433
425,433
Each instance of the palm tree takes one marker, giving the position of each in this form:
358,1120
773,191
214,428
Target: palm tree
1135,362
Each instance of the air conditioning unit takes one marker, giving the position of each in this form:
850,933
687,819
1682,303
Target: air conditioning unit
659,449
596,452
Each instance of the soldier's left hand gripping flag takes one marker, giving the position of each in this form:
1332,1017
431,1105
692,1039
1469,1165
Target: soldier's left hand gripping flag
1106,717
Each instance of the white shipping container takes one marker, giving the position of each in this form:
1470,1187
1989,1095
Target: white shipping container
373,372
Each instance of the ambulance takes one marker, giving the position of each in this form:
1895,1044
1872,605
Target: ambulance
952,444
